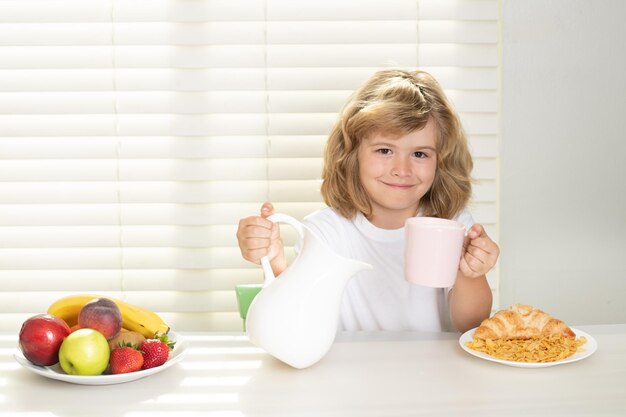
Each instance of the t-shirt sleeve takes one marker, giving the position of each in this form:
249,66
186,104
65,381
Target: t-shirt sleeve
325,224
466,219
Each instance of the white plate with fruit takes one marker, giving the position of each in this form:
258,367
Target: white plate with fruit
56,372
91,340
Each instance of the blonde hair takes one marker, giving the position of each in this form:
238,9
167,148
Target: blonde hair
397,102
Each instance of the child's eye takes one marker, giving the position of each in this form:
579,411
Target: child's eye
420,154
384,151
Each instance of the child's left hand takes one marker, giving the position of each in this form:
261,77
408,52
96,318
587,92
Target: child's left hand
480,253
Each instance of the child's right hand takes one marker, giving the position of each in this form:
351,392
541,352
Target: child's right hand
260,237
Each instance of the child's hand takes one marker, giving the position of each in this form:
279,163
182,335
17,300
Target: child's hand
480,253
259,237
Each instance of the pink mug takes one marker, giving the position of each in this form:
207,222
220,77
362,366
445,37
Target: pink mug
432,251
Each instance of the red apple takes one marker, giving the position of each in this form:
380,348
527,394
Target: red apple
103,315
41,337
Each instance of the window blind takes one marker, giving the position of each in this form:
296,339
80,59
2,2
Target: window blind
134,134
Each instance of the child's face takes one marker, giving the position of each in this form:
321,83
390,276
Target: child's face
397,172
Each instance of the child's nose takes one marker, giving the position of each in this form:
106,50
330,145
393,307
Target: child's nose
401,167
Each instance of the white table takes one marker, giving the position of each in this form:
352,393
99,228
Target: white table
364,374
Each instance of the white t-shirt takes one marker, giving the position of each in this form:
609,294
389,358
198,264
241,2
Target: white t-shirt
380,299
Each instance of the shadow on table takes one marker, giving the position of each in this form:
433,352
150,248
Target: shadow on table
65,399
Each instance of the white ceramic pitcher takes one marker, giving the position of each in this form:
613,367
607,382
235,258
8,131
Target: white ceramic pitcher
294,318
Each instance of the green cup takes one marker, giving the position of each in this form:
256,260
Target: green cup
245,295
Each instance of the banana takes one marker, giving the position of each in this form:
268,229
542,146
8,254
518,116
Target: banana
67,308
134,318
142,320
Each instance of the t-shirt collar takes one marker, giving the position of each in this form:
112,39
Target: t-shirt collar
376,233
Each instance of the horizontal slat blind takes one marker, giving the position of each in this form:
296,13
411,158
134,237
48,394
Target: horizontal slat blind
134,134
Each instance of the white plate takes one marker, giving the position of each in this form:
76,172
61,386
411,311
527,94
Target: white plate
55,371
584,351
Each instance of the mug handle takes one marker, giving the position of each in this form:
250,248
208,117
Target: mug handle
265,262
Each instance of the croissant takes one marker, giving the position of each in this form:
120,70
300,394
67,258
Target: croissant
521,322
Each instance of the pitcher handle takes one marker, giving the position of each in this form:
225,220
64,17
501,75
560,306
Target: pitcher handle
265,262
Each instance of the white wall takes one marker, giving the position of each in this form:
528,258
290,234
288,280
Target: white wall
563,158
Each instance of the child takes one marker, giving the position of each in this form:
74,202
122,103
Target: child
398,150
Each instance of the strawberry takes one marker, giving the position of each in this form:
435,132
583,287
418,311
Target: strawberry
155,352
125,359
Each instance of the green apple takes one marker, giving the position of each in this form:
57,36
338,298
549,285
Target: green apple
84,352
